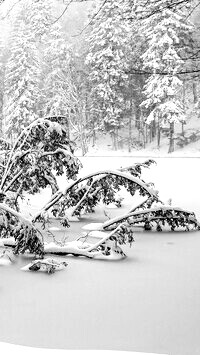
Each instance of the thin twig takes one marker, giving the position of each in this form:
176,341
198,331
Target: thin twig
65,9
89,23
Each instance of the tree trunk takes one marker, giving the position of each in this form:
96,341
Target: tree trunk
114,140
184,107
158,134
137,117
171,138
94,138
130,127
152,132
129,133
194,90
182,128
153,129
146,133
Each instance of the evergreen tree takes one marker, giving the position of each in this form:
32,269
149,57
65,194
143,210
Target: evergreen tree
57,88
24,69
21,81
163,104
40,17
2,74
107,62
22,76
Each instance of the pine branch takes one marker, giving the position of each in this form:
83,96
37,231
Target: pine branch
103,240
13,180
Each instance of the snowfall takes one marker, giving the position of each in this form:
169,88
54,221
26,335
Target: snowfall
148,302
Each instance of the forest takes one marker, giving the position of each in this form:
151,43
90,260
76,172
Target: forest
127,70
125,66
80,77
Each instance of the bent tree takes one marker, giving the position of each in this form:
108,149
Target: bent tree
29,164
102,185
42,151
86,192
44,147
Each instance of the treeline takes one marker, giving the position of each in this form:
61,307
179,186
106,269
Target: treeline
132,71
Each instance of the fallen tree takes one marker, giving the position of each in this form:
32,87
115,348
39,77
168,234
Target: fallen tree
26,236
107,245
99,185
159,217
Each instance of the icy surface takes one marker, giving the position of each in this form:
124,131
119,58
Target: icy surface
148,302
93,226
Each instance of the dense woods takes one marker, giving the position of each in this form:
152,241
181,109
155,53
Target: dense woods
128,70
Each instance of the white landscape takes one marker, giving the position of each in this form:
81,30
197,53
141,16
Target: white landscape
99,177
147,302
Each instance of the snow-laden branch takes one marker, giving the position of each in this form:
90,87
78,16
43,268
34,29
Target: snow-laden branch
139,216
18,215
140,205
82,199
106,248
56,197
57,151
52,181
13,180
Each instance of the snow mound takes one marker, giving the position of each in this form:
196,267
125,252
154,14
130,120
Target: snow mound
93,227
54,229
7,258
73,219
97,234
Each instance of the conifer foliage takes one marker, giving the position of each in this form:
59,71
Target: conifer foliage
21,78
163,103
57,84
106,59
40,151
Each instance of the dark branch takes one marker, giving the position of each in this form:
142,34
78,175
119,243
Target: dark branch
65,9
93,17
144,72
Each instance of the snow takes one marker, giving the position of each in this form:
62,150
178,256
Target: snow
8,241
104,149
5,261
147,302
7,349
93,226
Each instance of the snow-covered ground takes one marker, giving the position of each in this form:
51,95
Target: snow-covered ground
103,146
148,302
104,149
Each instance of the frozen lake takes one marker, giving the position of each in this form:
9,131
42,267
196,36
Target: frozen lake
148,302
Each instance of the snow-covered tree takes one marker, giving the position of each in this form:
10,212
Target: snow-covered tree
57,86
107,62
40,152
23,72
163,104
40,16
2,74
21,77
